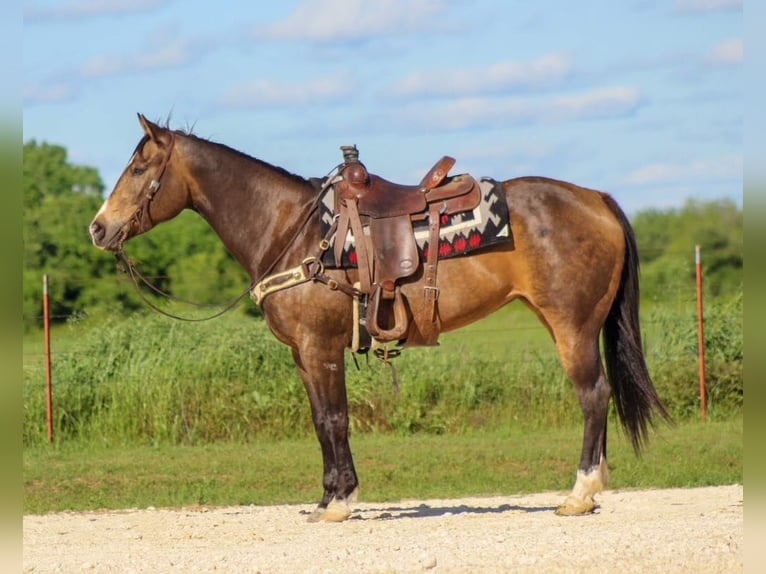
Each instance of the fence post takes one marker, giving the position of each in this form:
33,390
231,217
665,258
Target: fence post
700,335
47,337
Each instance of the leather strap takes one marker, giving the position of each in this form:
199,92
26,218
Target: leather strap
142,216
340,235
363,250
428,323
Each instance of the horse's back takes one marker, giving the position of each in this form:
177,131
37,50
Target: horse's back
542,205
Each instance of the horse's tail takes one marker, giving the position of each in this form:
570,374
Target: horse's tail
634,394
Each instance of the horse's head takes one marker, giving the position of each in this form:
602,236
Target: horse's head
148,191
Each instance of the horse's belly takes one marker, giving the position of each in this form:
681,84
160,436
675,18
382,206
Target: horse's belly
470,287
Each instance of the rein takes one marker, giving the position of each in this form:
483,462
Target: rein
136,276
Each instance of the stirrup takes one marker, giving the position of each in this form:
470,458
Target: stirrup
401,322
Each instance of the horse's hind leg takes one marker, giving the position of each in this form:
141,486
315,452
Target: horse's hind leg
579,353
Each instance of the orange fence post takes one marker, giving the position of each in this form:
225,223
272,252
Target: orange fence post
700,335
47,336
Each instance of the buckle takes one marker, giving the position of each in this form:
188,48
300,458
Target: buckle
431,293
308,262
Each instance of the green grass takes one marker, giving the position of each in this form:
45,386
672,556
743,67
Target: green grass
390,467
152,380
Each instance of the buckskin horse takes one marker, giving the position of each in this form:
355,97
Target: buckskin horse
572,259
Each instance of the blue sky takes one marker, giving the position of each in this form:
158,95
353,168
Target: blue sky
642,99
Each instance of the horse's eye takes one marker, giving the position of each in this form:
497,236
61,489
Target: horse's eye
137,170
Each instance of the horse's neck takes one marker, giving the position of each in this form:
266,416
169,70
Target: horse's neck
256,209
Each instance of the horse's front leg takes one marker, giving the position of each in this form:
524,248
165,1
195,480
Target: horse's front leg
321,367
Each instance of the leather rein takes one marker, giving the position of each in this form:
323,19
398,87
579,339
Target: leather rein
311,268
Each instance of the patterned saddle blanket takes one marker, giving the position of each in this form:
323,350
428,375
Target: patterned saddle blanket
459,234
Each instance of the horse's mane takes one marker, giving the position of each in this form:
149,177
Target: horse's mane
189,132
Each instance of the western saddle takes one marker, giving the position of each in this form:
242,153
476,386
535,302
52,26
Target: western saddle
380,214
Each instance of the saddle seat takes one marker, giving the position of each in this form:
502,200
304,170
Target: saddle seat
380,198
380,215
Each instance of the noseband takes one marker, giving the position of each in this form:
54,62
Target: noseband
141,217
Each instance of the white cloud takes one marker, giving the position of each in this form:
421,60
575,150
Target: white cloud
326,89
729,166
328,20
473,112
695,6
727,52
547,70
51,93
169,55
40,12
599,103
102,66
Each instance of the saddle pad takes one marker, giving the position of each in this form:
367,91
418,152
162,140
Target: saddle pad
461,233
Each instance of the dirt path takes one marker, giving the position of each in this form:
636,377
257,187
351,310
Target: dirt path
677,530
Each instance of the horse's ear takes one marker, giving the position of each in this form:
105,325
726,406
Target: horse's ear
150,129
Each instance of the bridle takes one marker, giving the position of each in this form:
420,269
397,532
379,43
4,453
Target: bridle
141,218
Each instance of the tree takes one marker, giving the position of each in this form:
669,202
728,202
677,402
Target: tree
666,241
59,199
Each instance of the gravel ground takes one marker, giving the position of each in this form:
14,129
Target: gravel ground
671,531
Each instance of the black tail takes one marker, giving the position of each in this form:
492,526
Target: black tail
632,388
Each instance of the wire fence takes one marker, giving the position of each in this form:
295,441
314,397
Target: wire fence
518,340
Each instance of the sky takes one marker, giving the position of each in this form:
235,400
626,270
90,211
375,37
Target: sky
642,99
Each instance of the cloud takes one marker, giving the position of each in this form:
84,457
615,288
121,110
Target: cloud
700,6
39,12
50,93
475,112
162,54
727,52
329,20
270,93
596,104
724,167
547,70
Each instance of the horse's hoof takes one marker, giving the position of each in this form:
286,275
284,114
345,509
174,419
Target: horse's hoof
574,506
333,512
336,511
316,516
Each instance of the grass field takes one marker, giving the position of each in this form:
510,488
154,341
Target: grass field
390,468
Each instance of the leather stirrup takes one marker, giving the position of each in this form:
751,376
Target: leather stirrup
401,323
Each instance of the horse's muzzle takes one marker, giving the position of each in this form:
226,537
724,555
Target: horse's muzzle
97,233
101,238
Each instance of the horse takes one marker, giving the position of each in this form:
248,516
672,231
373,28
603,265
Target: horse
572,260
